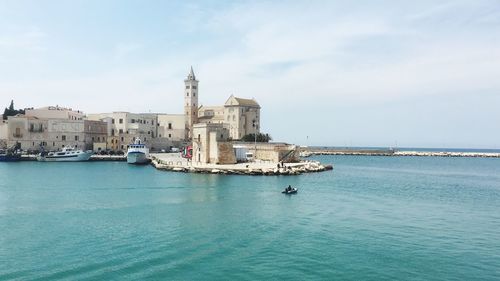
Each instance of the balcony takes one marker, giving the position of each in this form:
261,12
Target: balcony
17,135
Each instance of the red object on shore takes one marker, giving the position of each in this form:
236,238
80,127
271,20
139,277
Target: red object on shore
187,152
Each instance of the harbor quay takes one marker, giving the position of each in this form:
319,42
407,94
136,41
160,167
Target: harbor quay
174,162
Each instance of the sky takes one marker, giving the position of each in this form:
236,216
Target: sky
337,73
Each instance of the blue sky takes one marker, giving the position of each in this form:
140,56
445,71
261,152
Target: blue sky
363,73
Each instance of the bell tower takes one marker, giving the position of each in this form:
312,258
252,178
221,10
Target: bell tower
191,103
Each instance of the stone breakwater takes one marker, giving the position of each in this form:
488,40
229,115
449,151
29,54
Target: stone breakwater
266,169
400,153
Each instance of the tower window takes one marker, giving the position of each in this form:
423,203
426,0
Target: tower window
187,86
194,94
194,87
187,94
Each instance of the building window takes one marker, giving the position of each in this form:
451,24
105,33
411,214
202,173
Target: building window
187,86
170,126
120,131
122,139
76,138
194,94
120,121
194,87
132,121
122,146
187,94
63,138
112,132
169,135
144,139
92,138
149,132
98,138
113,121
199,137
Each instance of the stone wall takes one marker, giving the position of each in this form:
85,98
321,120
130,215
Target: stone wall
226,153
273,152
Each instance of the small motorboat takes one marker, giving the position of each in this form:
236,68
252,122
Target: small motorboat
290,190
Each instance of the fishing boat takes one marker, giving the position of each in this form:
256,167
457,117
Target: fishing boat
137,153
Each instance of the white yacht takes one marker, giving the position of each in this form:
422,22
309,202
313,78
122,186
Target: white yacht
137,153
67,154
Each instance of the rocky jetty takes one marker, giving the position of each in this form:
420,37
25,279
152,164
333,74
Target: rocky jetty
243,169
308,153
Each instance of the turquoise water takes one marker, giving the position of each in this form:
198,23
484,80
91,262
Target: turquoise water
371,218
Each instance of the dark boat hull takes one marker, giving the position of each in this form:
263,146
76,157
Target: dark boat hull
10,158
293,191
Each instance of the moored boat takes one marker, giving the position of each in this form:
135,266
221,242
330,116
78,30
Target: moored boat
67,154
9,156
137,153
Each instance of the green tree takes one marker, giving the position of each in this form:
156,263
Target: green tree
11,111
260,138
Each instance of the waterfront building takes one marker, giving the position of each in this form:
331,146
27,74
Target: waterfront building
172,127
33,132
157,131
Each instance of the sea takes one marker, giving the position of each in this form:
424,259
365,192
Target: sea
370,218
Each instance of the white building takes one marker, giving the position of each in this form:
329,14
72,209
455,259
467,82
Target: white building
157,131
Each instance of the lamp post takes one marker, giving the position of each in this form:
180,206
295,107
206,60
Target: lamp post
254,125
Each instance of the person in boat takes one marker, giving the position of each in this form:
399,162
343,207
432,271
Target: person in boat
289,188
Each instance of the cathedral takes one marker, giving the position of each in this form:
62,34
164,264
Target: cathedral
239,116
